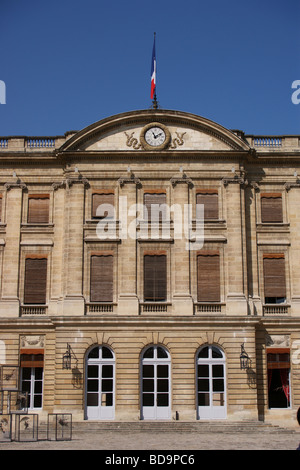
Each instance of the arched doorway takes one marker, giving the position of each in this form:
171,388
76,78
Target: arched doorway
155,383
211,383
100,384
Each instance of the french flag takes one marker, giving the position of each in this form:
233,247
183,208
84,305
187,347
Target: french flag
153,70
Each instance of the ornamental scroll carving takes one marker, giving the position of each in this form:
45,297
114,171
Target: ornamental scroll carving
132,141
178,140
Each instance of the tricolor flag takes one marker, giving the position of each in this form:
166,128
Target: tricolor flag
153,71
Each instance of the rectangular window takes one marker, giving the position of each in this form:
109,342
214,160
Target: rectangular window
1,208
106,200
38,209
271,208
155,278
208,277
101,283
155,206
35,283
274,278
209,198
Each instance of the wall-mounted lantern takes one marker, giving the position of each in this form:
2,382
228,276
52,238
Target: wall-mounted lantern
67,358
244,358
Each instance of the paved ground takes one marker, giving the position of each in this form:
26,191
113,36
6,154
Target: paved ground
165,441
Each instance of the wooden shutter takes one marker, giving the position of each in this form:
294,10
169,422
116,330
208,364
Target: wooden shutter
102,198
155,198
32,357
278,358
209,198
155,277
208,277
271,208
35,281
38,209
101,278
274,275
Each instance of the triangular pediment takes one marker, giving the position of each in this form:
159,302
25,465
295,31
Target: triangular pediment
125,132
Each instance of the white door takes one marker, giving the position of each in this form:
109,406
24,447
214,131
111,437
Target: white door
100,373
155,387
211,387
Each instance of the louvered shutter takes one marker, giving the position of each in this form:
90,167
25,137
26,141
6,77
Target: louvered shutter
99,199
155,277
208,277
0,208
156,198
38,210
271,208
101,278
274,276
209,198
35,281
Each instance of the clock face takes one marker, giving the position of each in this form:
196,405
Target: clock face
155,136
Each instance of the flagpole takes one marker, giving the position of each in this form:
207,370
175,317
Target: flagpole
155,98
153,73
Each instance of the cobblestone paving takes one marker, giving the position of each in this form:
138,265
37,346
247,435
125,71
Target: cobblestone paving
165,441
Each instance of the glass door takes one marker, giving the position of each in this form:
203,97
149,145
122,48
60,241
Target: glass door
32,383
100,384
211,389
155,393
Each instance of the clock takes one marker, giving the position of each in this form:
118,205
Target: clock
155,136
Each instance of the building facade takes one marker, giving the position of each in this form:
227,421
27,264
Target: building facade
112,310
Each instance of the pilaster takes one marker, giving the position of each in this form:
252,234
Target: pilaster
74,300
127,299
236,302
10,304
182,301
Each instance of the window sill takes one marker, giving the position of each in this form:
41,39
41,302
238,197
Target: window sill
266,226
48,227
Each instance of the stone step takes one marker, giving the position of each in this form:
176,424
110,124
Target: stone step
175,426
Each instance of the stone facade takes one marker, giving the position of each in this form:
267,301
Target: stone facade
109,157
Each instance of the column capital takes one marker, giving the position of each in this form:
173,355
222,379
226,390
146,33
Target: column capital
11,185
56,186
289,186
235,180
130,180
182,180
80,180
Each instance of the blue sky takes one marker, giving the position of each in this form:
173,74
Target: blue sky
67,64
